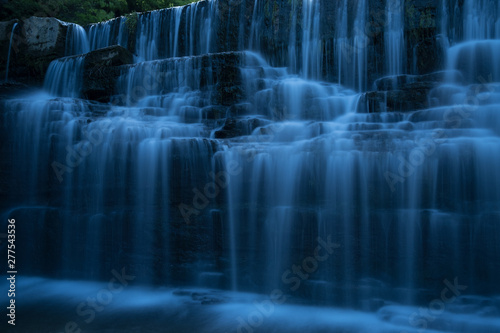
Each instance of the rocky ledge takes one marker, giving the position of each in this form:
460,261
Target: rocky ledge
36,42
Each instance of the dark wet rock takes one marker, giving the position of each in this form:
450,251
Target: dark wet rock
214,112
5,36
227,93
43,38
234,127
241,109
430,55
101,72
12,88
412,97
410,92
406,81
207,298
218,77
109,56
37,41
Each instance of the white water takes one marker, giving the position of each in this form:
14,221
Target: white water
181,310
159,32
394,37
311,42
350,49
64,77
77,41
108,33
478,19
8,55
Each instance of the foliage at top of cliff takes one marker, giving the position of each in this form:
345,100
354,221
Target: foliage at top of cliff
81,11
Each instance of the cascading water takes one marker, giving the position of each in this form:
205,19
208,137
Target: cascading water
112,32
350,46
311,42
359,47
8,55
292,44
473,20
77,41
220,171
481,20
160,34
64,76
394,37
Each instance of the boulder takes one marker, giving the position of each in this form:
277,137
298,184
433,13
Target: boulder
36,43
45,36
6,29
412,96
101,70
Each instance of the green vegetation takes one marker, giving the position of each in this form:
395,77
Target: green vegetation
81,11
131,22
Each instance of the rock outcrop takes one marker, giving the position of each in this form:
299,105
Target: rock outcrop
36,42
101,71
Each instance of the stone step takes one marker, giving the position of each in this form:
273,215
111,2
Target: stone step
217,74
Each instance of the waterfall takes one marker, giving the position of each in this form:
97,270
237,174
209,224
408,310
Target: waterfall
360,46
64,76
341,44
257,25
394,37
99,35
8,55
160,34
178,87
474,20
351,47
236,165
108,33
311,39
477,60
481,19
77,41
444,17
292,44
